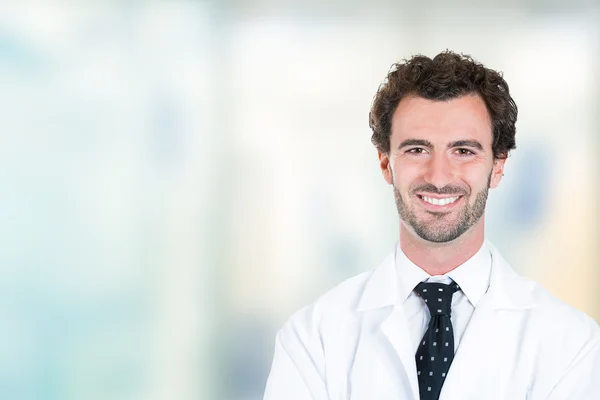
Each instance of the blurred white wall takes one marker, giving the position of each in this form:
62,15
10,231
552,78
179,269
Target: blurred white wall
180,177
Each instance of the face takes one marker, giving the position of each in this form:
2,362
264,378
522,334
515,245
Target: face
441,166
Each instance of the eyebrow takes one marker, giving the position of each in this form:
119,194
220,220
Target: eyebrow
426,143
416,142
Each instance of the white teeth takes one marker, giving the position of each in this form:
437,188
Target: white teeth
440,202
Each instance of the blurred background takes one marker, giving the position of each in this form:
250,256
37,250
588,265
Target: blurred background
178,178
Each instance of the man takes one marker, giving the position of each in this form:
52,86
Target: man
444,316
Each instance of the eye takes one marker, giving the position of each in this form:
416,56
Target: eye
416,150
464,152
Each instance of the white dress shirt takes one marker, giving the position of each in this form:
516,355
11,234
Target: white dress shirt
473,277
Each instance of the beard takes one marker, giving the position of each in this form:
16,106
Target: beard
442,229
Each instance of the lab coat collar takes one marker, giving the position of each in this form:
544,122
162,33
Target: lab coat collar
381,289
507,290
473,276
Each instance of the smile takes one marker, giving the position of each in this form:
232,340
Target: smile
440,202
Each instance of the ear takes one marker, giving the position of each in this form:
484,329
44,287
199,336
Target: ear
386,169
497,172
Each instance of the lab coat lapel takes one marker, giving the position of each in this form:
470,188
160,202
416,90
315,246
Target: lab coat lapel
474,357
480,354
396,330
382,291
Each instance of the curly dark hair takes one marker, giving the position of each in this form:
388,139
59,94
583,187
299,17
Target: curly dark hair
447,76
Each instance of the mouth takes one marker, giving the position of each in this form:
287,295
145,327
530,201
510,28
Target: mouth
439,203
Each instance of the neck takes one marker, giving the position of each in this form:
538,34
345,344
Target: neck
441,258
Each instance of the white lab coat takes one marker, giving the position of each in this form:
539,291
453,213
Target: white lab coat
353,344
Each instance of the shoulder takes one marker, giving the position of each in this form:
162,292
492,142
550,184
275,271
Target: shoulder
561,318
343,303
566,339
332,307
551,333
559,335
544,309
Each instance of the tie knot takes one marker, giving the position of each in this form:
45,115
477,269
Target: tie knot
437,296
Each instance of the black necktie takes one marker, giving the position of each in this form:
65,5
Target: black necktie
436,350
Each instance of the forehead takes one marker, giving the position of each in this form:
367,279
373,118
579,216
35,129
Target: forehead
465,117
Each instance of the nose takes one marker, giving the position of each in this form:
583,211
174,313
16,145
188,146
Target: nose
439,171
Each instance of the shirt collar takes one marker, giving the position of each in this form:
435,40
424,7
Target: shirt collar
473,276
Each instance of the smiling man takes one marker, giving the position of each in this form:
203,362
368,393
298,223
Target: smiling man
444,316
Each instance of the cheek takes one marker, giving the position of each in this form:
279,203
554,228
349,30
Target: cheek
405,174
477,180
